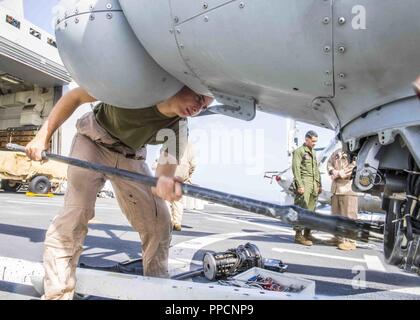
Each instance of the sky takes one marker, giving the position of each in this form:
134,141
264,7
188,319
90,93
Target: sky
233,154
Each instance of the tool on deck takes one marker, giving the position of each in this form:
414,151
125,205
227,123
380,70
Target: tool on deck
290,214
233,261
220,265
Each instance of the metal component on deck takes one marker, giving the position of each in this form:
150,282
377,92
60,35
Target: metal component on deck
275,265
226,264
188,274
289,214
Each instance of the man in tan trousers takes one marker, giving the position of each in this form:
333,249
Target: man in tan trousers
344,201
184,171
114,137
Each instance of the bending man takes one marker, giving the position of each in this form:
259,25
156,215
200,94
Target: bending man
115,137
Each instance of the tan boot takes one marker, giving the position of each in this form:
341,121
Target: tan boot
299,238
308,236
334,241
346,246
177,227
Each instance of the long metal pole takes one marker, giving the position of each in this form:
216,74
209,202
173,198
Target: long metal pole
289,214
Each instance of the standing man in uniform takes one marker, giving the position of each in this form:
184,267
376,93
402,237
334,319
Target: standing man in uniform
307,182
344,201
116,137
184,171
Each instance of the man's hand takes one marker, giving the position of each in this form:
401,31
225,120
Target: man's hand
335,174
62,110
319,189
168,189
35,148
301,190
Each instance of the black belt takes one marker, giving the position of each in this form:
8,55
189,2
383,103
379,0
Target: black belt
113,147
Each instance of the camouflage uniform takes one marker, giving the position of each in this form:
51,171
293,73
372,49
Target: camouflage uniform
306,174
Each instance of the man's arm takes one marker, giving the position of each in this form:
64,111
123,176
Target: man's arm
296,162
330,165
167,187
347,171
317,174
193,161
63,109
332,171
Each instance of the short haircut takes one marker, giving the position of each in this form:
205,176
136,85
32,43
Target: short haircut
310,134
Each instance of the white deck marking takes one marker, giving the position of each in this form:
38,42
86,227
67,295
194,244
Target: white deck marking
57,204
35,202
321,255
284,230
413,290
221,220
374,263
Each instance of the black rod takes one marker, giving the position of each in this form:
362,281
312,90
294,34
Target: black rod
290,214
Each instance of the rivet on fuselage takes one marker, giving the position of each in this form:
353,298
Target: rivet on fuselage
342,20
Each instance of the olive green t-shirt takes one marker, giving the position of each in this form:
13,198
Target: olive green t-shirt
137,128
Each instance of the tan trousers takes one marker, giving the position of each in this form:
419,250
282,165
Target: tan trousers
147,214
176,208
345,206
